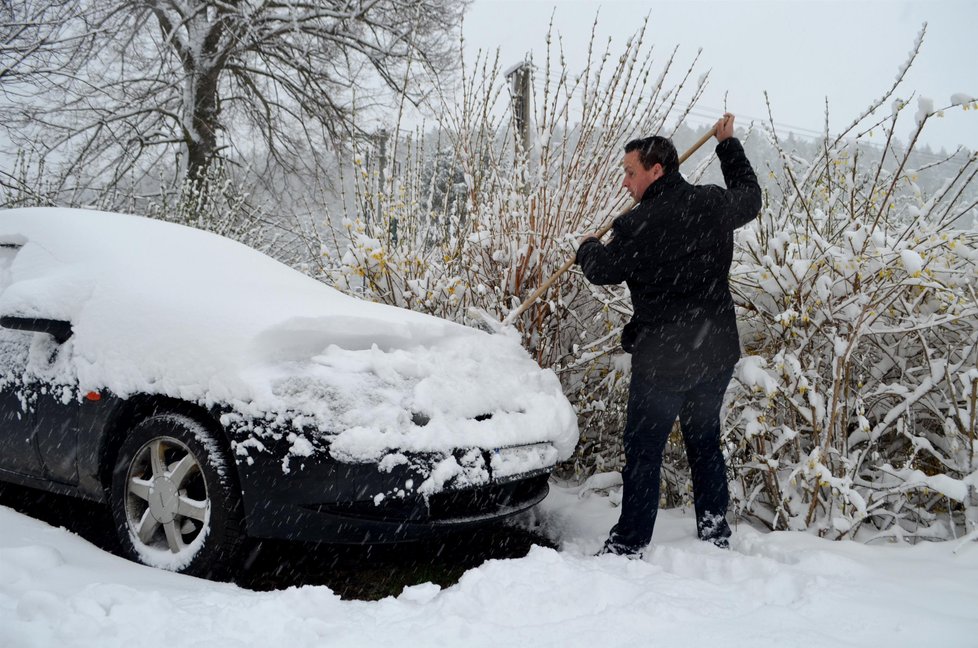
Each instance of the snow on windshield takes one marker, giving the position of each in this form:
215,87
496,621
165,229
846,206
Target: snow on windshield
161,308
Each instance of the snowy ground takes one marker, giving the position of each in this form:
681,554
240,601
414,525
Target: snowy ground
772,589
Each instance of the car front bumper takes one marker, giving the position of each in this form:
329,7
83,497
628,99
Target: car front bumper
324,500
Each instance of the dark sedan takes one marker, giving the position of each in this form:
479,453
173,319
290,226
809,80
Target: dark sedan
209,394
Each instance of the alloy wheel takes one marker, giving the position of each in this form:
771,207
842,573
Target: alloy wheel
167,505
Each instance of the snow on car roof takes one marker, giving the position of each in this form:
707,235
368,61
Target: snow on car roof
162,308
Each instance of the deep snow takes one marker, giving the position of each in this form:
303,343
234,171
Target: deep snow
771,589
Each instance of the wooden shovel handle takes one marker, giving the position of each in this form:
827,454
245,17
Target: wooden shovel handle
601,232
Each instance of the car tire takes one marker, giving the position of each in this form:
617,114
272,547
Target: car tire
175,503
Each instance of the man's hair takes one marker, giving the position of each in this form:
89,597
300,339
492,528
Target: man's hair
655,150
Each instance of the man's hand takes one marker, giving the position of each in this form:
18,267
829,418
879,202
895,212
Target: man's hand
725,127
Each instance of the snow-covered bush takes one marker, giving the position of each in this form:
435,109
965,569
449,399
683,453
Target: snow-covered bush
855,406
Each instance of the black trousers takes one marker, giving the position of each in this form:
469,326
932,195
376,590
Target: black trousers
651,414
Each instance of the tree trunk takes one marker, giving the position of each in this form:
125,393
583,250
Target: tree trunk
204,118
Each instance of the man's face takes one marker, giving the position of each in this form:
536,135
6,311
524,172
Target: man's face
637,177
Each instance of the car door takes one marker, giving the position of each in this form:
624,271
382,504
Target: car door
42,436
18,450
56,433
52,396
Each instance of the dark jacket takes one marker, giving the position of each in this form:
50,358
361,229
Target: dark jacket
674,250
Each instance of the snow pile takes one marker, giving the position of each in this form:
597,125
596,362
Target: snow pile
771,589
164,309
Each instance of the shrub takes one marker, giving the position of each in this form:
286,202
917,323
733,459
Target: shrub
855,406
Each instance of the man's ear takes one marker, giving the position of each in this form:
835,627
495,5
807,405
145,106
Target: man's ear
657,171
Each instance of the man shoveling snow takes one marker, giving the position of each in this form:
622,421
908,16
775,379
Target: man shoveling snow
674,251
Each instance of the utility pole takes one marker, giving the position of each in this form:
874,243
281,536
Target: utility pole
520,79
379,148
382,136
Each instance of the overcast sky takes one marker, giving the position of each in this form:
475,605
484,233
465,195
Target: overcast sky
799,51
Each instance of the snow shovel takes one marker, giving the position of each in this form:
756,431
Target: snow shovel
492,326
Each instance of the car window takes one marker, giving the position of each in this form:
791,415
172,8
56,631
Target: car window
25,357
14,353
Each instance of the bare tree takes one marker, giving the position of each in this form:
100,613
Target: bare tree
105,92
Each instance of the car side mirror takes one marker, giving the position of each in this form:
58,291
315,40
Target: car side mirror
60,330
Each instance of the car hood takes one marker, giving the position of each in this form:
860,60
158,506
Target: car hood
161,308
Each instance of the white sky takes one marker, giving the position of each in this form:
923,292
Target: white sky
799,51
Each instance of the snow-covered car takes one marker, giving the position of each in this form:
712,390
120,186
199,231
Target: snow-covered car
208,393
